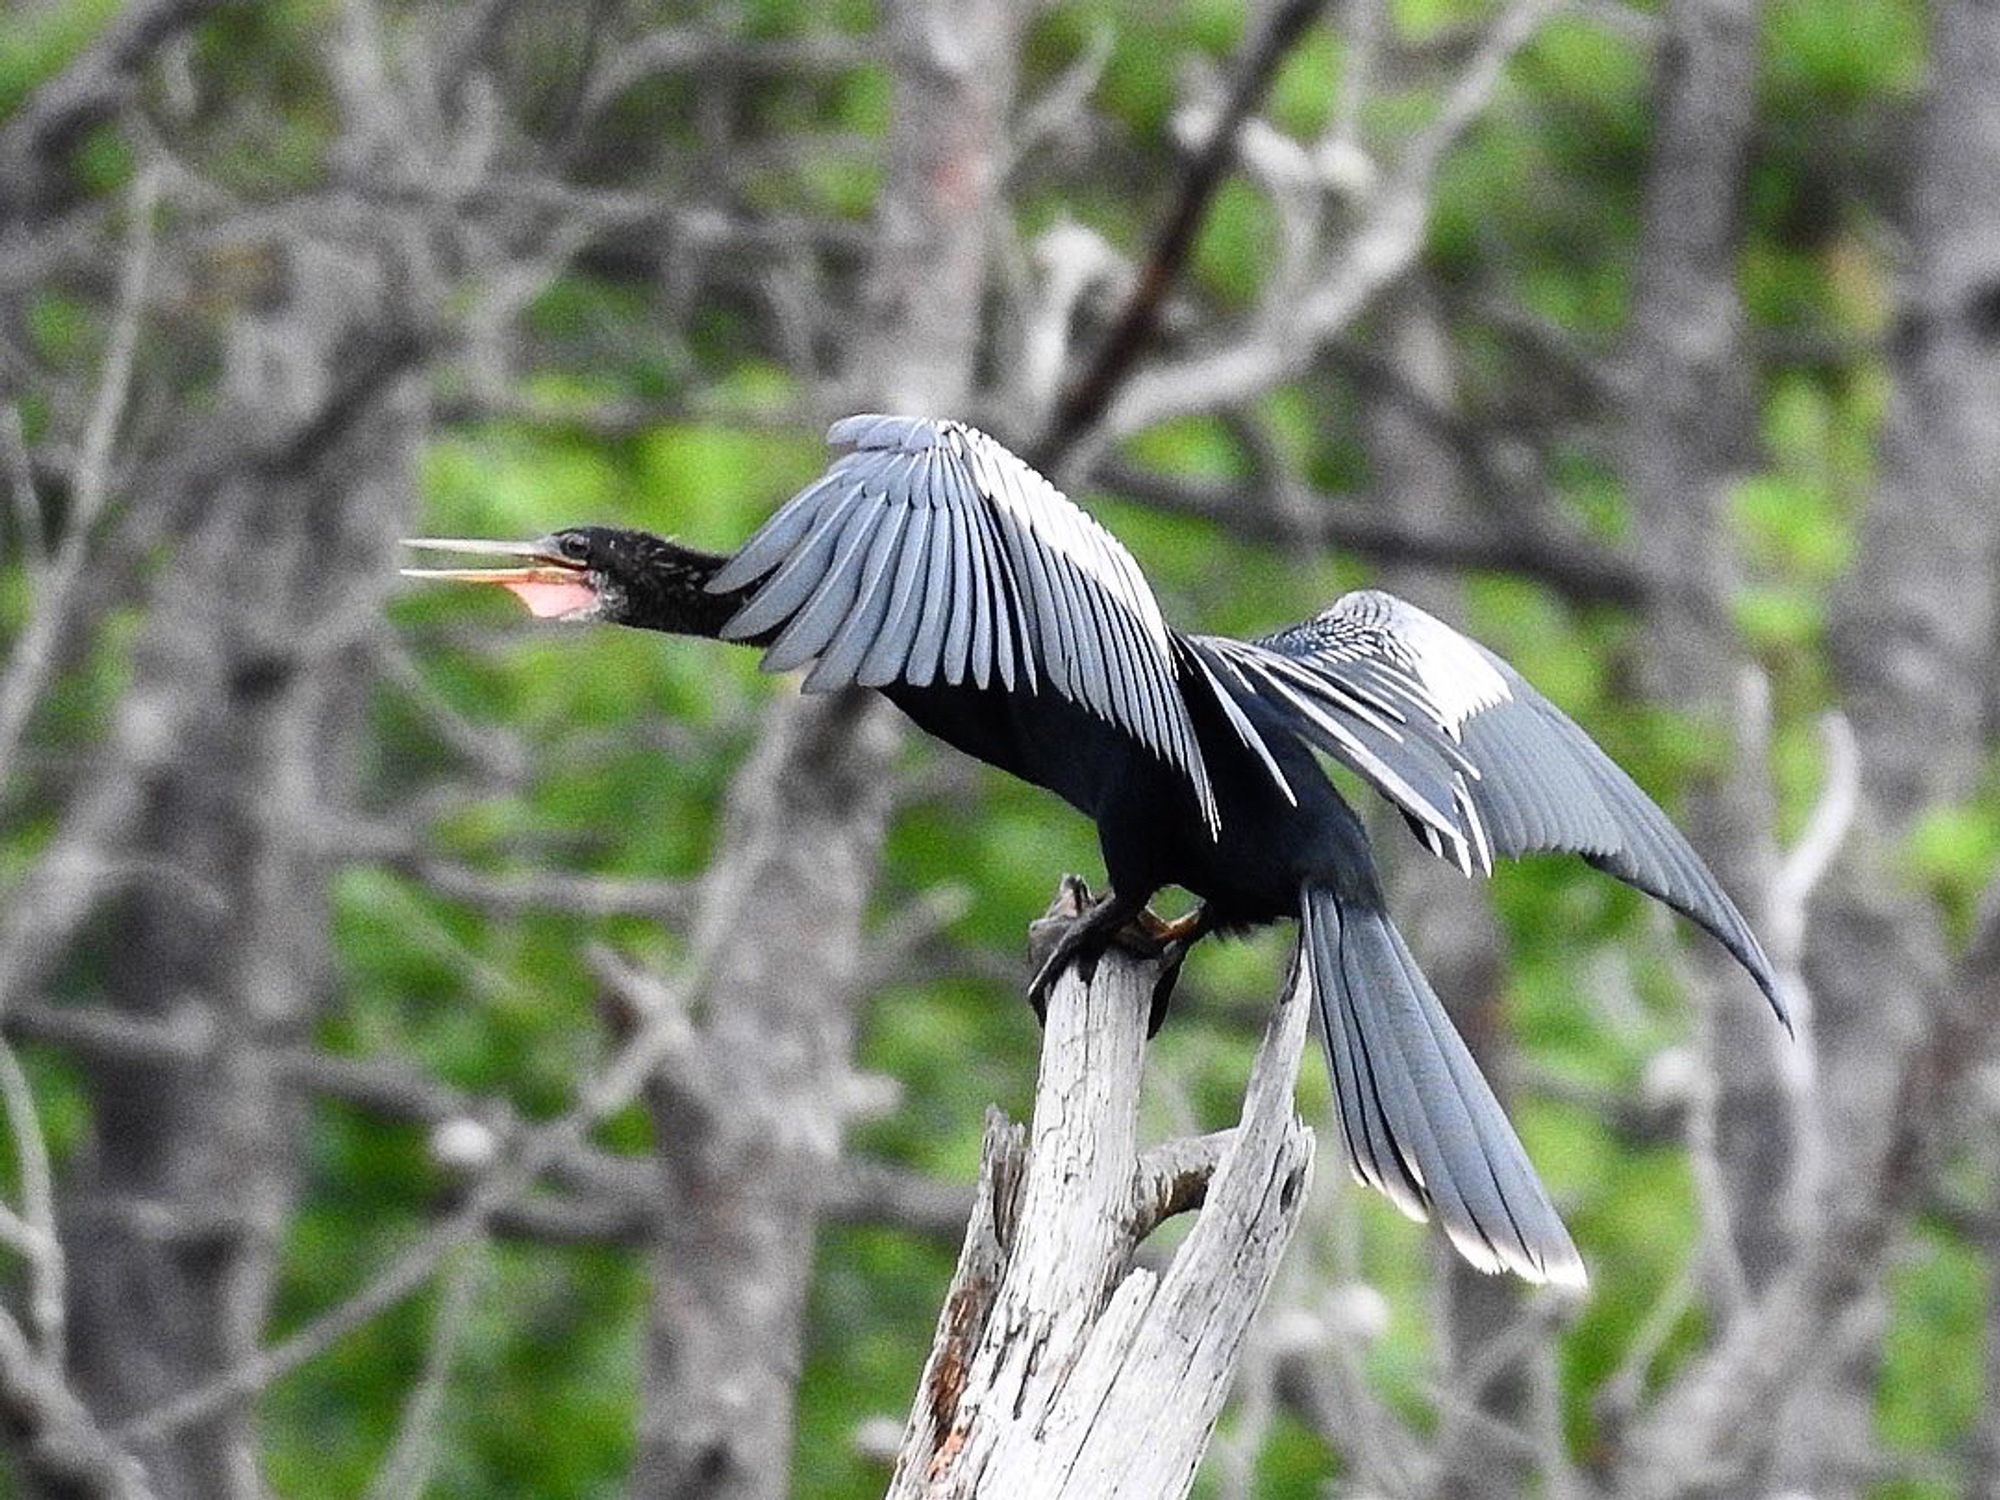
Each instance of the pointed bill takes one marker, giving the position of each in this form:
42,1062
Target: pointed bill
551,586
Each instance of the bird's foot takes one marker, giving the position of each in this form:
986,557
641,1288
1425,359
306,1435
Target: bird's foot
1159,934
1173,940
1077,928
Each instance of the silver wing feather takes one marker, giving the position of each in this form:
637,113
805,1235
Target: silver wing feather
1478,760
929,552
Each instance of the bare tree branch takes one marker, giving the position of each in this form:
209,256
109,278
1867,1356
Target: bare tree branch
618,1084
34,652
605,1198
38,1210
21,488
405,1472
1283,338
1173,1178
1572,567
1085,400
576,893
751,1121
681,49
52,1435
58,892
1806,863
36,142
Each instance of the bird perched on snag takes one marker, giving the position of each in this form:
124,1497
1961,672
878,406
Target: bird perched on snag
931,564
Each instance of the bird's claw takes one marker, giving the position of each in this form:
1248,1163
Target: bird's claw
1044,982
1162,933
1077,929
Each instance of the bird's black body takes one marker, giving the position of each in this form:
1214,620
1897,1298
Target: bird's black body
932,565
1148,822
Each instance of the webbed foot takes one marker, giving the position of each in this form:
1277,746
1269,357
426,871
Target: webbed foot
1174,939
1077,929
1087,927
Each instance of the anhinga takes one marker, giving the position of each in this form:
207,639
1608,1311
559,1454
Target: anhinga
932,564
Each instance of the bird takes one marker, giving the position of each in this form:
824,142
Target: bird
930,564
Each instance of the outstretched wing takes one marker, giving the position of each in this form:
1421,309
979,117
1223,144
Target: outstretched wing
928,553
1478,761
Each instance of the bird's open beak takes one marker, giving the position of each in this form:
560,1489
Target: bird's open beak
550,585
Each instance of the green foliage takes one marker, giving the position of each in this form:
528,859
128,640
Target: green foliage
1307,82
1293,1463
874,1310
1547,196
104,160
1933,1381
705,483
771,18
1846,54
1776,618
1138,87
501,483
1234,251
38,40
1788,526
1954,851
1537,210
1194,447
1423,18
60,326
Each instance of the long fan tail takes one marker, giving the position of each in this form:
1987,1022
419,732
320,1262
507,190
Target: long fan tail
1417,1119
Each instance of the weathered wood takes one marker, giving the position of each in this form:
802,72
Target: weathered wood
749,1137
240,733
1060,1368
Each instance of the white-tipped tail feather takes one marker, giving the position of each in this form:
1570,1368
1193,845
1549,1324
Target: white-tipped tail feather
1417,1119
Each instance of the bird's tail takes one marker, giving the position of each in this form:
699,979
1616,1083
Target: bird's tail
1416,1118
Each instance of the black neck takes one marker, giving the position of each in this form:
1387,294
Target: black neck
670,593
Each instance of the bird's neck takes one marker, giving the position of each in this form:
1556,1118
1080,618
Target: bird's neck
674,595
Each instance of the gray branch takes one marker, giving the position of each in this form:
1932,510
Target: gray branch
1571,565
35,146
52,1435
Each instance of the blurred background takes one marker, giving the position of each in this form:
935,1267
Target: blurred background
1656,343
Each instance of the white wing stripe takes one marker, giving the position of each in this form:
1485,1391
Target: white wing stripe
1240,722
927,652
1260,672
780,535
841,661
1013,626
1339,696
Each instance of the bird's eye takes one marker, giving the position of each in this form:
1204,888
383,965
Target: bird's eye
573,547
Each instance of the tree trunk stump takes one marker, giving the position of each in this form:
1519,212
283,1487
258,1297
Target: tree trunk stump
1060,1367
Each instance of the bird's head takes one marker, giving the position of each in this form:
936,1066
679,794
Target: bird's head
602,573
